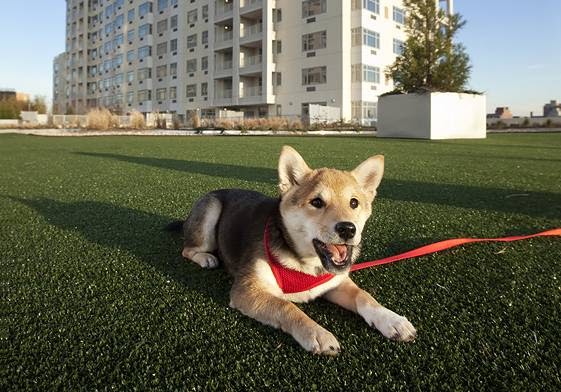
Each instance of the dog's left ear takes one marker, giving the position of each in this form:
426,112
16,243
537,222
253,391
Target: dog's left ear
292,168
369,174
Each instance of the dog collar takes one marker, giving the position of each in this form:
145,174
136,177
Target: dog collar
291,281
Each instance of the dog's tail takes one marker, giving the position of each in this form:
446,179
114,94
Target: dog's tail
174,227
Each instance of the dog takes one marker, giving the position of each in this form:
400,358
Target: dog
294,248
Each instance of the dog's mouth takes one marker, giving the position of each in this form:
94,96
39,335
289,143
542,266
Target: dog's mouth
335,258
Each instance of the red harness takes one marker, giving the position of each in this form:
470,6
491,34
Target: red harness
291,281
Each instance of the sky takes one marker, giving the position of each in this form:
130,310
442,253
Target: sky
514,47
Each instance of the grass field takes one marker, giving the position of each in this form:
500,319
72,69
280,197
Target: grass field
96,296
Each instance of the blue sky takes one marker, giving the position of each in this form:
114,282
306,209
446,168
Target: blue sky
514,47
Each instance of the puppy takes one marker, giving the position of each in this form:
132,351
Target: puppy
294,248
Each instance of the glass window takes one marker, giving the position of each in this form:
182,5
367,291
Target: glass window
130,76
313,7
144,30
192,41
131,56
144,74
144,95
192,65
314,41
145,51
371,5
162,5
144,9
204,11
162,26
161,71
173,69
173,45
119,40
314,75
162,49
370,38
204,38
204,63
173,93
399,15
161,94
371,74
173,22
191,90
119,21
204,89
130,97
130,15
398,46
192,16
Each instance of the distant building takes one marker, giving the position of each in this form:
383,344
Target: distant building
552,109
502,113
60,93
13,94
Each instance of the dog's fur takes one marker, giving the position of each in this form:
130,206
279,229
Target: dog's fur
228,225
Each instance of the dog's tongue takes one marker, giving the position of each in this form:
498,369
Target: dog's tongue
339,252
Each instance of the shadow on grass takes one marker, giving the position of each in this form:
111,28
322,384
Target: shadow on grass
137,232
522,201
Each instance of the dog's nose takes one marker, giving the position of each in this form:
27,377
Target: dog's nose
346,230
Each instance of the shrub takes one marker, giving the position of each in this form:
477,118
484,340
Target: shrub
137,120
100,119
196,121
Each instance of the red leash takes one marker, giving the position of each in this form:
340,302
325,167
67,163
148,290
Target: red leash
291,281
447,244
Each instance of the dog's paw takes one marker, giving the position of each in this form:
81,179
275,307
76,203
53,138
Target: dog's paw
205,260
319,341
390,324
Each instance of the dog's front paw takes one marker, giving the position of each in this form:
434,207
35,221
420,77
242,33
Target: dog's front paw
319,341
205,260
390,324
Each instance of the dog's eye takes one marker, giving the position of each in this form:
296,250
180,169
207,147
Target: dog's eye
317,202
354,203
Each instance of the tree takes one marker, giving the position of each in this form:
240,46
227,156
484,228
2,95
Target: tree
38,104
431,60
9,109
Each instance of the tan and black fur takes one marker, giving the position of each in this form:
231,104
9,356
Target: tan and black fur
308,235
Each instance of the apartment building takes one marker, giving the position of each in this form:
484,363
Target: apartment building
261,57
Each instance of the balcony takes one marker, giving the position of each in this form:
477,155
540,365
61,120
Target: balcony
223,97
251,33
223,68
251,64
250,5
223,11
223,39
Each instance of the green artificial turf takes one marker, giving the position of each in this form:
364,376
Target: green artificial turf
96,296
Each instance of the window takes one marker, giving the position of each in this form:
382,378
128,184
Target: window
277,47
108,28
364,112
130,76
356,73
398,46
162,5
145,9
161,71
144,30
204,12
145,51
173,69
119,4
314,41
162,49
314,75
144,95
399,15
130,97
371,5
192,16
119,40
161,94
131,56
204,38
173,3
277,15
204,63
204,89
173,45
192,65
109,11
118,80
162,26
119,21
117,61
371,38
173,93
144,74
130,35
173,22
277,79
191,90
130,16
108,47
192,41
371,74
313,7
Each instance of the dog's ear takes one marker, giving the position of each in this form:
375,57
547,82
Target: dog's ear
369,174
291,168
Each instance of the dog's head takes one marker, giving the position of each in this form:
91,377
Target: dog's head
324,210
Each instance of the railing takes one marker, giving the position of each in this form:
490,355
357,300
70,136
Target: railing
223,94
251,60
224,65
224,37
255,91
255,29
223,9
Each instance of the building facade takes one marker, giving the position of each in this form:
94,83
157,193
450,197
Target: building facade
261,57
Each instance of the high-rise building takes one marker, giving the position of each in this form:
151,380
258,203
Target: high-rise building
261,57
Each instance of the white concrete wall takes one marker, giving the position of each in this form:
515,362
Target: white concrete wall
432,116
